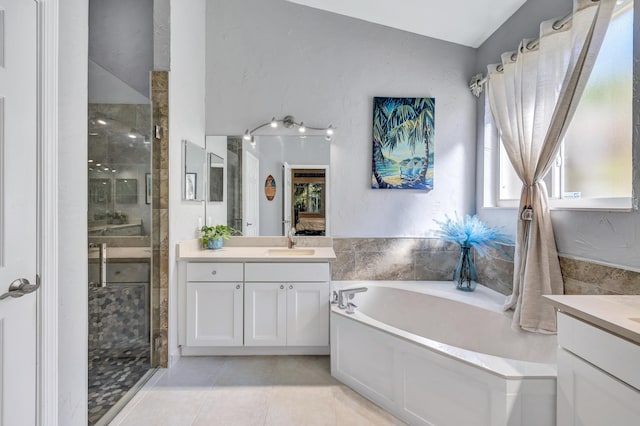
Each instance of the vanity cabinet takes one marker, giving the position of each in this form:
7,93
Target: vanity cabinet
214,293
286,304
598,378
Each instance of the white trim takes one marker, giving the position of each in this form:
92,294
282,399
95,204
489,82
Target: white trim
254,350
48,11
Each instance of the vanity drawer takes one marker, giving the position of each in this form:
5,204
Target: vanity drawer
214,271
613,354
298,272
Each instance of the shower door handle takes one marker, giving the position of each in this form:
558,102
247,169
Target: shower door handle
20,287
103,265
102,261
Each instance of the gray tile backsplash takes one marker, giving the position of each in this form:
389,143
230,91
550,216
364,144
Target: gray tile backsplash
426,259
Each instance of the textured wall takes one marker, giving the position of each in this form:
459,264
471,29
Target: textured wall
121,39
186,121
269,58
72,212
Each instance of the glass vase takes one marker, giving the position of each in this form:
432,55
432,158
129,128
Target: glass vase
465,275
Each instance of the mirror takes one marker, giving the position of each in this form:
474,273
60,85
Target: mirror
193,179
246,205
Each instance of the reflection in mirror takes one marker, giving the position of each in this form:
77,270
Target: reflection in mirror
193,180
308,211
119,153
216,177
248,166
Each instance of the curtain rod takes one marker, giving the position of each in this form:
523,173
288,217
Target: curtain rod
478,81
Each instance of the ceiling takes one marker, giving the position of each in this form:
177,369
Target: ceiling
466,22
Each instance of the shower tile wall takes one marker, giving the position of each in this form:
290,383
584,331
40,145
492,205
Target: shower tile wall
160,215
399,259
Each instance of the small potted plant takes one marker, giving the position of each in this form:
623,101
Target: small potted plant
212,236
469,233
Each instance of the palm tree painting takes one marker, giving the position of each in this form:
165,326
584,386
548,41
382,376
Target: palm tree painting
403,143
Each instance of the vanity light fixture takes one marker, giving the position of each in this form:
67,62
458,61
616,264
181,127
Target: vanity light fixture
288,122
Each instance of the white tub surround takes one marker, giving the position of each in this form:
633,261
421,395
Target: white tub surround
433,355
254,297
598,353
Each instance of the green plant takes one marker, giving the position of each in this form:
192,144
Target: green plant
210,233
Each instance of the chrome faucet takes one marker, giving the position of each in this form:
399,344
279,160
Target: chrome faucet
346,295
291,242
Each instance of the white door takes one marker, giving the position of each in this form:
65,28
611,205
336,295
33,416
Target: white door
250,194
214,314
18,180
308,314
265,314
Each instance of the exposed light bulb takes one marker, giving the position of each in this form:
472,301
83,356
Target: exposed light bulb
274,123
98,164
302,129
106,169
330,130
247,136
113,170
91,161
101,121
132,136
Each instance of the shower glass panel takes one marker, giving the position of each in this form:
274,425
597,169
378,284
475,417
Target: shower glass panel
119,235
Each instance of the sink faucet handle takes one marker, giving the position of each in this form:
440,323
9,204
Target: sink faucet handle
334,298
350,306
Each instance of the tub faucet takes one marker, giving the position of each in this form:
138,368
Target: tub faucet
347,294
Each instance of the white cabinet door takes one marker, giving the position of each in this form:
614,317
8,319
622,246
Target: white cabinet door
589,396
265,314
308,314
214,314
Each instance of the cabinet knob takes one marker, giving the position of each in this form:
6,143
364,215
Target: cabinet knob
213,272
290,287
238,287
281,286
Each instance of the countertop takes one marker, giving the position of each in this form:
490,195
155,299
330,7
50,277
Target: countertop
617,314
122,253
191,251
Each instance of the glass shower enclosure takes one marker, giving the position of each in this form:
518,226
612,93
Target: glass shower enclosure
120,262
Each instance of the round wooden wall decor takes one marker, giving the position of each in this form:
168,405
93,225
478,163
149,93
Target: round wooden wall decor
270,187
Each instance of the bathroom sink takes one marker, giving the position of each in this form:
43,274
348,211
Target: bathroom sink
291,252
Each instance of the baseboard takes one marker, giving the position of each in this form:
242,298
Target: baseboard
255,350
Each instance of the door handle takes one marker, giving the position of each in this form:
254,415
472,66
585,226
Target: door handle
20,287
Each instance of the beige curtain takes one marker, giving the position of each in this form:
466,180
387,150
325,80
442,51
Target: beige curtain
533,95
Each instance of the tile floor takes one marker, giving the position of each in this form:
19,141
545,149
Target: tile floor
284,390
110,377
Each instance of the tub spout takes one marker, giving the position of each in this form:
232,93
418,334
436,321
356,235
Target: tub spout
347,294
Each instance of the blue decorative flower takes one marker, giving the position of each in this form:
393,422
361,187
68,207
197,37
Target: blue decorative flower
472,232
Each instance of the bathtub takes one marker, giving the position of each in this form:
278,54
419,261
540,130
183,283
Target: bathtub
434,355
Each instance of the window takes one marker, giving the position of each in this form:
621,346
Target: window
594,166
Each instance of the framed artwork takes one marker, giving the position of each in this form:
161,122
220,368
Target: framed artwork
126,191
99,191
191,185
147,188
403,130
